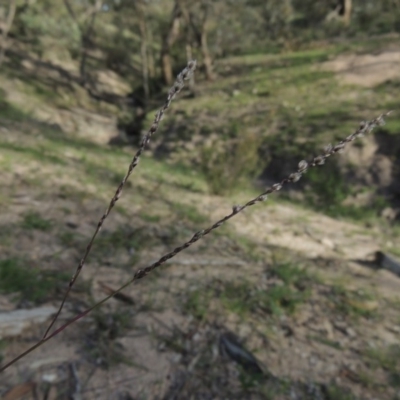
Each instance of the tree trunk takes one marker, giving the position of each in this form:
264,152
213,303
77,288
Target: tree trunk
85,40
10,18
85,29
169,40
189,56
150,53
143,51
200,33
207,60
347,5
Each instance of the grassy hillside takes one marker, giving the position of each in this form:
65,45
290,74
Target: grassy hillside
297,287
276,110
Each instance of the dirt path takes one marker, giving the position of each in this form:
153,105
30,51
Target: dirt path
366,70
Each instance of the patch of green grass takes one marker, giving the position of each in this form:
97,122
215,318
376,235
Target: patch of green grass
101,344
243,298
32,284
237,297
103,171
5,236
395,251
72,194
37,89
250,380
67,238
10,112
388,359
325,341
328,190
226,167
179,175
276,300
150,217
241,244
190,213
307,78
289,273
72,239
197,303
39,152
334,392
352,303
248,247
125,238
33,220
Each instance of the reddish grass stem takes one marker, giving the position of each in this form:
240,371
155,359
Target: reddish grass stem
174,90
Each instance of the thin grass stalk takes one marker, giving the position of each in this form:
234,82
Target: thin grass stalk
174,90
61,328
364,128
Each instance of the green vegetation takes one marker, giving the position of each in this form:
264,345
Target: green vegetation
197,303
242,297
124,239
251,380
9,111
335,392
225,167
33,220
388,359
152,218
68,239
329,189
31,283
101,345
325,341
300,109
190,213
353,303
242,245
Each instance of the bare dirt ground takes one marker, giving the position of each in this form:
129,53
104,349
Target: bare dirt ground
366,70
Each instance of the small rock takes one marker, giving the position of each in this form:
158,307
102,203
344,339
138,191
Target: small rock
328,243
328,329
176,358
244,330
196,337
389,213
386,336
345,329
350,332
50,377
394,329
387,262
303,316
71,224
14,323
340,326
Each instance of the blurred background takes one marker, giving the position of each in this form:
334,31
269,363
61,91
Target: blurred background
295,298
